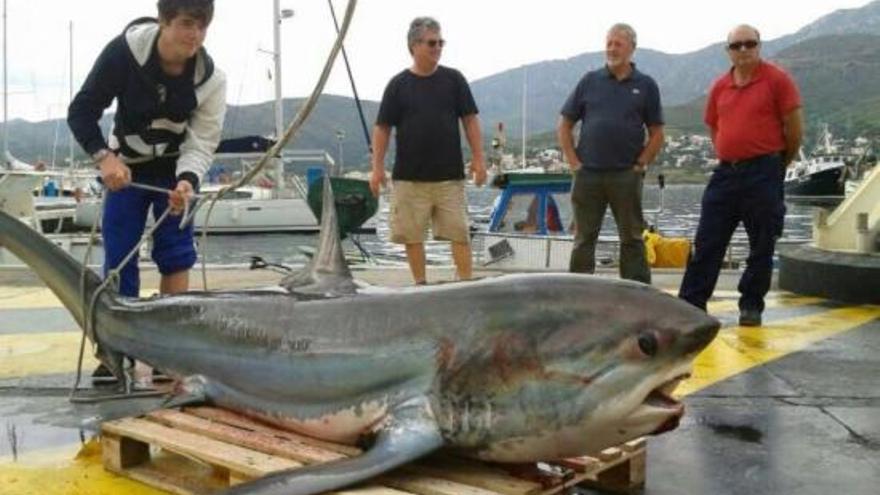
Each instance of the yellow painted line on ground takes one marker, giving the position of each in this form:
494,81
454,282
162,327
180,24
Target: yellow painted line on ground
739,349
728,301
51,472
38,297
41,354
716,306
27,298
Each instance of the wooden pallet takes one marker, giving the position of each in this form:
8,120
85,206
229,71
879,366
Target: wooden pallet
205,450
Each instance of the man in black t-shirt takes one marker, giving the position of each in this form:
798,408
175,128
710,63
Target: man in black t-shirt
424,104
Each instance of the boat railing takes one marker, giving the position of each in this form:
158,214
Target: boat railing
306,156
551,252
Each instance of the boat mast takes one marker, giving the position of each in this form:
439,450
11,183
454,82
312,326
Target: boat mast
5,96
277,16
524,100
70,96
826,140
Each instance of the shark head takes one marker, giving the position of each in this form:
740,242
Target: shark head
631,374
577,364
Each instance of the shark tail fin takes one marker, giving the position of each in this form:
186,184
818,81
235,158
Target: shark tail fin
73,284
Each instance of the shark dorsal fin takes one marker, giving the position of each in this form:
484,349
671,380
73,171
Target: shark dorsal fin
326,274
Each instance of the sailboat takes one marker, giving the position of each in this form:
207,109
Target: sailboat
18,179
504,163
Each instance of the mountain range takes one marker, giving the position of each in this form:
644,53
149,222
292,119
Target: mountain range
682,78
839,80
835,60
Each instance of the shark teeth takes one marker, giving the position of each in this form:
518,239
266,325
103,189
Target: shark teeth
662,395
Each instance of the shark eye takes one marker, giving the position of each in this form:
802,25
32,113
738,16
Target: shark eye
648,344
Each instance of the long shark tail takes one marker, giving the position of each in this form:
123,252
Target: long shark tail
57,269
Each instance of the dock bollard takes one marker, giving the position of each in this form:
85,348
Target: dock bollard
864,238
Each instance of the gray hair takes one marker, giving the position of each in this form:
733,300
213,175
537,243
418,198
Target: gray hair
626,29
745,26
417,29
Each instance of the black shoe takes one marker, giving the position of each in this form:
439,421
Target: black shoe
749,318
103,375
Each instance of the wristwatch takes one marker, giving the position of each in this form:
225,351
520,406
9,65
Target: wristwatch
98,156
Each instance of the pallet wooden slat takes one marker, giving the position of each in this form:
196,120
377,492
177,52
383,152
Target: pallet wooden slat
371,490
221,448
419,484
476,474
580,464
233,419
232,457
256,440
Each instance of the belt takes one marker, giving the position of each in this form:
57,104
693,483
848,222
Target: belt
747,161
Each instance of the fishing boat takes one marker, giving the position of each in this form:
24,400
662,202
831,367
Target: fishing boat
531,225
819,179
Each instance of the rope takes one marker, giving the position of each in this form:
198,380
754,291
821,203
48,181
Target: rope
186,207
87,318
357,99
289,133
89,312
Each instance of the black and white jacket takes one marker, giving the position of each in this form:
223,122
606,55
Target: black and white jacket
156,116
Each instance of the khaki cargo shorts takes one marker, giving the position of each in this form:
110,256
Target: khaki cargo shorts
414,204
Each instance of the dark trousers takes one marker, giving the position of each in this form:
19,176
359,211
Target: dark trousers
591,194
750,192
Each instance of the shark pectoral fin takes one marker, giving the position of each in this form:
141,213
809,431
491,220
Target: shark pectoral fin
411,432
191,391
187,399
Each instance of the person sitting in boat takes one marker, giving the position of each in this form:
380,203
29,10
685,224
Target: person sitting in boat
530,224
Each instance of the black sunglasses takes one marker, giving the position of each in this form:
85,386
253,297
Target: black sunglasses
738,45
433,43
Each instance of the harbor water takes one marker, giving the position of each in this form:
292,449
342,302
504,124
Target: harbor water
679,217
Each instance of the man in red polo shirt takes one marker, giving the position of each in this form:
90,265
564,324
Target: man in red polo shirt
754,115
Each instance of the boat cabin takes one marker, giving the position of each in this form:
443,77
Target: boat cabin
532,204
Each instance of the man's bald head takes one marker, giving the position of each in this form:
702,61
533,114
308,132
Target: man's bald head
743,29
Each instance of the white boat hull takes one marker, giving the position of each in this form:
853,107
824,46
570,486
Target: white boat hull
236,216
503,251
17,193
257,216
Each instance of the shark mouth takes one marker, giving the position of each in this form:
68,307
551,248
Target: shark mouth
661,398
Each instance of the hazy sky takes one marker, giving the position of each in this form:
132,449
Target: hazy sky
483,37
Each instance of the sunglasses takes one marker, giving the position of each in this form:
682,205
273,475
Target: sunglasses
433,43
739,45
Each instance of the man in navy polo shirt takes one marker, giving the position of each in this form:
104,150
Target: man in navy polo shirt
621,133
